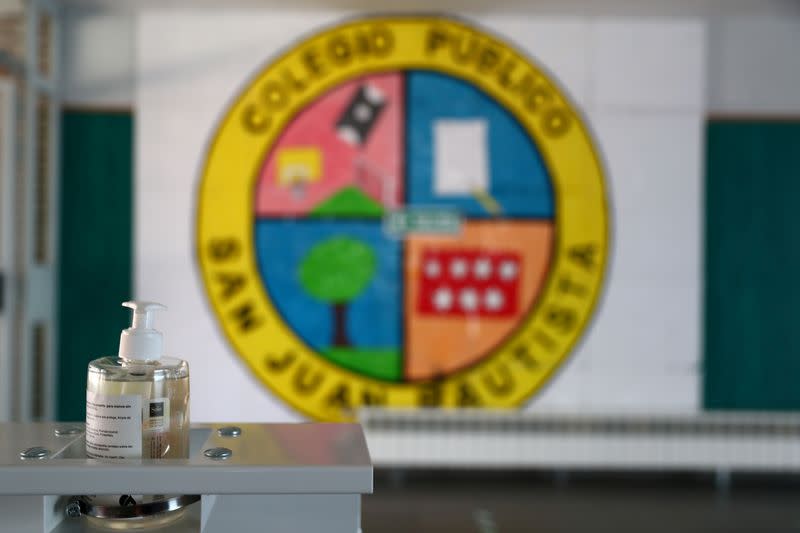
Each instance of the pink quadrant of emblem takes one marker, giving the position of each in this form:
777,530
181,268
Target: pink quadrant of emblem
315,157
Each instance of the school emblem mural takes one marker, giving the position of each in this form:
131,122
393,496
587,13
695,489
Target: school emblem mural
402,211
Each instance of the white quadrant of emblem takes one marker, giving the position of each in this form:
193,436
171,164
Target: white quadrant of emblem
461,157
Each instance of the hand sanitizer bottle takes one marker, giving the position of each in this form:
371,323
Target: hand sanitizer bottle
137,406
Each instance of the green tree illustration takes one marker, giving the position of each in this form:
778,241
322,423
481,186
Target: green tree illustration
335,271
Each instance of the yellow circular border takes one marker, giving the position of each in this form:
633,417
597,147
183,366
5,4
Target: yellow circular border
254,121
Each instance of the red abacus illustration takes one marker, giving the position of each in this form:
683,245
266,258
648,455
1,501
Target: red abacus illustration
474,282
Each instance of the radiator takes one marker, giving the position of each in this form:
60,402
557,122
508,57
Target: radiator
718,441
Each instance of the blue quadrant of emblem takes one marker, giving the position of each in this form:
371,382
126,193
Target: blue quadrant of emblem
460,141
304,295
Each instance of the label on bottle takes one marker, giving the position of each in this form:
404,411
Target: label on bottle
113,426
156,428
156,415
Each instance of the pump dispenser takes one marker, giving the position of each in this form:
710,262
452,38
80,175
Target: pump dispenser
137,404
141,342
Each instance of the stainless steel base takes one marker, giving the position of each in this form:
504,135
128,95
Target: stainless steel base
140,510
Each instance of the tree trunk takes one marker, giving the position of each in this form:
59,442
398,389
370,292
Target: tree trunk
340,339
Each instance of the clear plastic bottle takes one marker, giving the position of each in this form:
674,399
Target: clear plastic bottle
137,407
163,386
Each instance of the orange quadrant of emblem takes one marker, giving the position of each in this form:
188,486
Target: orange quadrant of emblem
439,345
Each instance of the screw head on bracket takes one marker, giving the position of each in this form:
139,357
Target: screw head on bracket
218,454
229,431
37,452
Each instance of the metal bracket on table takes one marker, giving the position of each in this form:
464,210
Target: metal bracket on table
296,477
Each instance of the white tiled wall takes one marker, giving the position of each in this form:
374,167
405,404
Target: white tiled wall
645,91
559,44
752,62
648,65
97,58
754,65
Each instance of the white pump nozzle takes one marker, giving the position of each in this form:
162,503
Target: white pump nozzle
140,341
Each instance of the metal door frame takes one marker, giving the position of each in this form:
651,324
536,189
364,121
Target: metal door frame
8,175
28,362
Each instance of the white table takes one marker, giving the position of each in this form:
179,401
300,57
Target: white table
279,477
